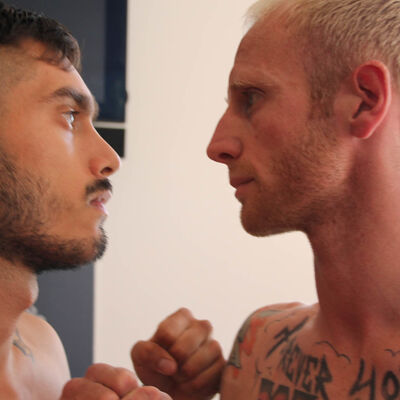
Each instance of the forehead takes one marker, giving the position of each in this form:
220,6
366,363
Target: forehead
43,76
268,54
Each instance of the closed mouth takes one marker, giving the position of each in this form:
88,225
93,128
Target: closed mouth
236,182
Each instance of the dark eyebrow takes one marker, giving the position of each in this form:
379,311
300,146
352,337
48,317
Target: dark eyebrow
86,103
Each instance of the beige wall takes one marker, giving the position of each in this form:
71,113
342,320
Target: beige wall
175,236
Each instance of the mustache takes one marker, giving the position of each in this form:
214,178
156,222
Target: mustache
100,185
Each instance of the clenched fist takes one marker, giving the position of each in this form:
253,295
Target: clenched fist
181,358
104,382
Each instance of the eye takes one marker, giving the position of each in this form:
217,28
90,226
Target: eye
249,98
70,117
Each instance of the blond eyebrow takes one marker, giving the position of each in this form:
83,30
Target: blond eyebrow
265,83
84,102
237,85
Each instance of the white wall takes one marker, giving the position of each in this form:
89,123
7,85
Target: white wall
175,235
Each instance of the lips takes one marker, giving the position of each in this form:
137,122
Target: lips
240,184
98,200
239,181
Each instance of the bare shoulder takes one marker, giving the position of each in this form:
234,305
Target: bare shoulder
277,312
261,320
42,340
257,339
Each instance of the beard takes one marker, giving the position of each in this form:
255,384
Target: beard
26,209
304,186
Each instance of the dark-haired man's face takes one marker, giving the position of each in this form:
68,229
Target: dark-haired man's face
53,171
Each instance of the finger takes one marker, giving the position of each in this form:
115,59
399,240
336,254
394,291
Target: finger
120,380
151,356
84,389
146,393
208,382
153,365
190,340
172,327
204,358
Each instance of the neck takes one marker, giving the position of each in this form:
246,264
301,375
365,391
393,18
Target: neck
18,291
357,267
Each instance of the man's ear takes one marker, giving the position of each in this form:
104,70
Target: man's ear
372,85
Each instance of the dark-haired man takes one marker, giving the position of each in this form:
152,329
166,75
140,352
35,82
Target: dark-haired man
311,139
54,170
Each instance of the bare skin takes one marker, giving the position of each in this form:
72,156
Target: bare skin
181,359
337,180
46,130
33,364
282,354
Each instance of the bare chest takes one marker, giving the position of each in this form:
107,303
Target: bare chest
288,365
33,377
20,389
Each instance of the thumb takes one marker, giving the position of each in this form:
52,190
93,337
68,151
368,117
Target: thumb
150,357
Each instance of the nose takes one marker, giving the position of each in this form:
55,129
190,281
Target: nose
224,146
104,161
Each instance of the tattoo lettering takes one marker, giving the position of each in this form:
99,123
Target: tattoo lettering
279,320
363,383
389,388
285,334
269,391
19,344
305,371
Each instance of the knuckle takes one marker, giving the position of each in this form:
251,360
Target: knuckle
178,353
72,386
81,386
215,347
141,352
124,380
188,370
148,392
205,325
137,347
165,333
184,312
151,390
107,396
93,370
200,386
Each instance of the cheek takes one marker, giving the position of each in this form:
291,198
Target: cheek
275,129
272,147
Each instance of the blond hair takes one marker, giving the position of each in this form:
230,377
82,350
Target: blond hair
334,36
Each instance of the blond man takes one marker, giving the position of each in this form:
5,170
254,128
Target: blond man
311,139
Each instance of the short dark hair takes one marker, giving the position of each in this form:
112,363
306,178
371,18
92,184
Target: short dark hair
19,24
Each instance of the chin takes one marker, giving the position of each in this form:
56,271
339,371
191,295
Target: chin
263,225
59,254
